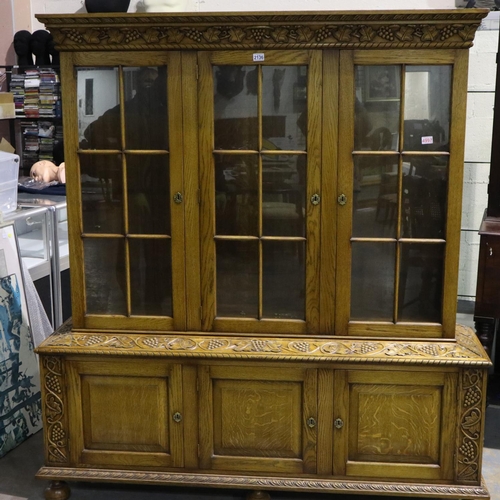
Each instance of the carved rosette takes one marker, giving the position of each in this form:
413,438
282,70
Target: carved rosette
264,31
56,433
471,426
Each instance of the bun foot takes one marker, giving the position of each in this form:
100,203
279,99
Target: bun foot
58,490
258,495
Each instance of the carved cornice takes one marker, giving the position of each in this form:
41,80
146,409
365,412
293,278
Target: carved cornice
270,483
396,29
472,391
54,401
465,351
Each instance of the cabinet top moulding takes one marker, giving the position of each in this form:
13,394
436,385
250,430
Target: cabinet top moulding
436,29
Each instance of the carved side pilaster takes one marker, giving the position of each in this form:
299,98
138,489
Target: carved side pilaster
471,430
54,410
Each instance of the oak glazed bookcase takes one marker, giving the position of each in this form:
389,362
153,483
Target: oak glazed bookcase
264,217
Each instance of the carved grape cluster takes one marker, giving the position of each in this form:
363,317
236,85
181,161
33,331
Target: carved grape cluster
448,31
301,346
429,349
131,35
258,34
322,34
74,36
215,344
468,449
194,34
57,433
472,396
53,384
386,33
94,339
367,347
259,345
151,342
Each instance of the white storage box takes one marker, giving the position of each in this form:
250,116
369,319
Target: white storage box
9,174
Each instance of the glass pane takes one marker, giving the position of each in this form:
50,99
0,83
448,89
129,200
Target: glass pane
148,194
375,209
105,281
425,183
377,108
151,276
237,194
235,107
146,123
427,108
102,193
421,282
284,279
372,281
284,107
284,195
99,110
237,278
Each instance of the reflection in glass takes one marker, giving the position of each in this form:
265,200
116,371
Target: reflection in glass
148,194
377,108
105,288
425,184
284,194
102,193
427,108
235,107
237,278
146,123
151,276
283,279
284,105
101,129
375,208
421,282
236,193
372,281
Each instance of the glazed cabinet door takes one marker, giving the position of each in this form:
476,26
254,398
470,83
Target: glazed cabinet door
401,137
125,413
260,158
394,424
258,419
123,138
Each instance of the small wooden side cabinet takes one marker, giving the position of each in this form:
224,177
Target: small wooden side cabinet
264,221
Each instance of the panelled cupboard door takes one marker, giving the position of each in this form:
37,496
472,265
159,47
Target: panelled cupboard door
124,136
393,424
258,419
125,413
260,172
401,138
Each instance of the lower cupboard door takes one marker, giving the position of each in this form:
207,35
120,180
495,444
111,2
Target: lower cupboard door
258,419
121,413
395,425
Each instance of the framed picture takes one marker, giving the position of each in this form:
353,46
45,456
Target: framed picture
20,402
383,83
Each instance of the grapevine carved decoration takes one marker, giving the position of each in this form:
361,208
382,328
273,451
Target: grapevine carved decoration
341,30
471,417
351,350
56,432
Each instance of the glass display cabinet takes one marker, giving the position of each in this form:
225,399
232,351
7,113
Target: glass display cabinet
264,218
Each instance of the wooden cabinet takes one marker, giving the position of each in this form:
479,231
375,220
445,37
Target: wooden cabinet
264,227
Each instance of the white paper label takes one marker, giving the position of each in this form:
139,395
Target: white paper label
428,139
258,57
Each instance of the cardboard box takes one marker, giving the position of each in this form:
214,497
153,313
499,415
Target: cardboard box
7,109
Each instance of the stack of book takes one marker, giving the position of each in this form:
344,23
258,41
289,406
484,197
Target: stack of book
17,88
31,93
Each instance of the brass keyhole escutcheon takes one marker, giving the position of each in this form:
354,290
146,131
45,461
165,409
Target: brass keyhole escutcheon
342,199
177,417
178,197
311,422
315,199
339,423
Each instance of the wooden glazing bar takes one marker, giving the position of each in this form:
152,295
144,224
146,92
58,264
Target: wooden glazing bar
146,152
422,240
99,151
230,237
103,235
260,199
270,152
362,152
283,238
374,240
149,236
